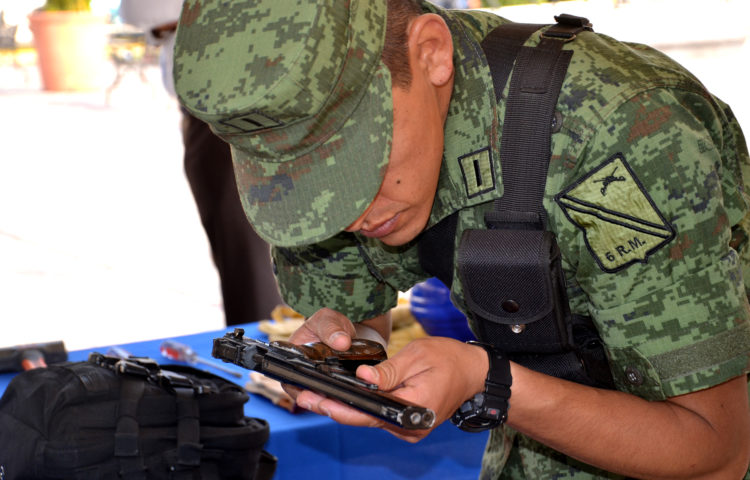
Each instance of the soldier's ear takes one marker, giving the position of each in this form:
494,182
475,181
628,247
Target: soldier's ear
431,48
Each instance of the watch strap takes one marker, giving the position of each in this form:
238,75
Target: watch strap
488,408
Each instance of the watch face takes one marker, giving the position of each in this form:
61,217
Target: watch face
475,415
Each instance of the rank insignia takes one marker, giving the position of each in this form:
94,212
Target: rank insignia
620,221
477,171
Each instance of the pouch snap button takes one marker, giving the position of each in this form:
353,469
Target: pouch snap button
510,306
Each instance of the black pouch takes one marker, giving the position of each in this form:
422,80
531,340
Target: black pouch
514,289
513,285
115,418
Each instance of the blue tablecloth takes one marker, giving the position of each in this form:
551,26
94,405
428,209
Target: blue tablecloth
311,446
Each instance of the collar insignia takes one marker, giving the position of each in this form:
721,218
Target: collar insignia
478,172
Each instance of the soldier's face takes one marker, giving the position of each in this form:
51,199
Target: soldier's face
402,206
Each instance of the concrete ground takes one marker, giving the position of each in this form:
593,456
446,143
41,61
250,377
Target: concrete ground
100,241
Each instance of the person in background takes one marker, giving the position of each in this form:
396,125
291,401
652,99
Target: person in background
242,258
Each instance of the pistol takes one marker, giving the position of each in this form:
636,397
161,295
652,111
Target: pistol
328,372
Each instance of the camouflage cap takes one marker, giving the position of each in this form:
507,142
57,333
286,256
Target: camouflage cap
298,89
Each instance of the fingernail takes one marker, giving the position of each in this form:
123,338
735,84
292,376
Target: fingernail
373,372
335,336
304,405
325,412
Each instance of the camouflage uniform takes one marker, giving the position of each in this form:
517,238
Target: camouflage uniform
643,190
646,254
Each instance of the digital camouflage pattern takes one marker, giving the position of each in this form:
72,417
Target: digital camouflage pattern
643,191
298,90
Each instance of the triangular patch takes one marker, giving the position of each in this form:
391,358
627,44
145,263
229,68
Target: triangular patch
619,219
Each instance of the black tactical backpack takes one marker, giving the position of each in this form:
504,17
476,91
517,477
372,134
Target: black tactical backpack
128,418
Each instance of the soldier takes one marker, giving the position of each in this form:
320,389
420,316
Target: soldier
358,129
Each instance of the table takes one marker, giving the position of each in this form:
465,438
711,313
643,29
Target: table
312,446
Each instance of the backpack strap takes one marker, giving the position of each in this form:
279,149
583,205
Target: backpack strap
126,430
188,428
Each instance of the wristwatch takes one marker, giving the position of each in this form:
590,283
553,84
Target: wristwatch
489,408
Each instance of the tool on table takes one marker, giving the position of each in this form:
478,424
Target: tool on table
183,353
272,390
35,355
119,352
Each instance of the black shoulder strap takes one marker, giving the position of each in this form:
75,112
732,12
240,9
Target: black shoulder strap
537,78
503,47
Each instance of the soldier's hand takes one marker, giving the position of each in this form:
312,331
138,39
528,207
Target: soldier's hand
435,372
327,326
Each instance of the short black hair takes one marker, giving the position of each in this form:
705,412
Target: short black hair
395,54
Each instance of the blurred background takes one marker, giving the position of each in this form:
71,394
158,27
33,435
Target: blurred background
100,238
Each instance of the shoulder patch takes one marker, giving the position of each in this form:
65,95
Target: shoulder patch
620,222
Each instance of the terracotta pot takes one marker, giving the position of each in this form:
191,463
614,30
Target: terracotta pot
71,49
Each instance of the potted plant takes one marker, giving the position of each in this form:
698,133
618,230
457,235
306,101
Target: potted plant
68,5
71,45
